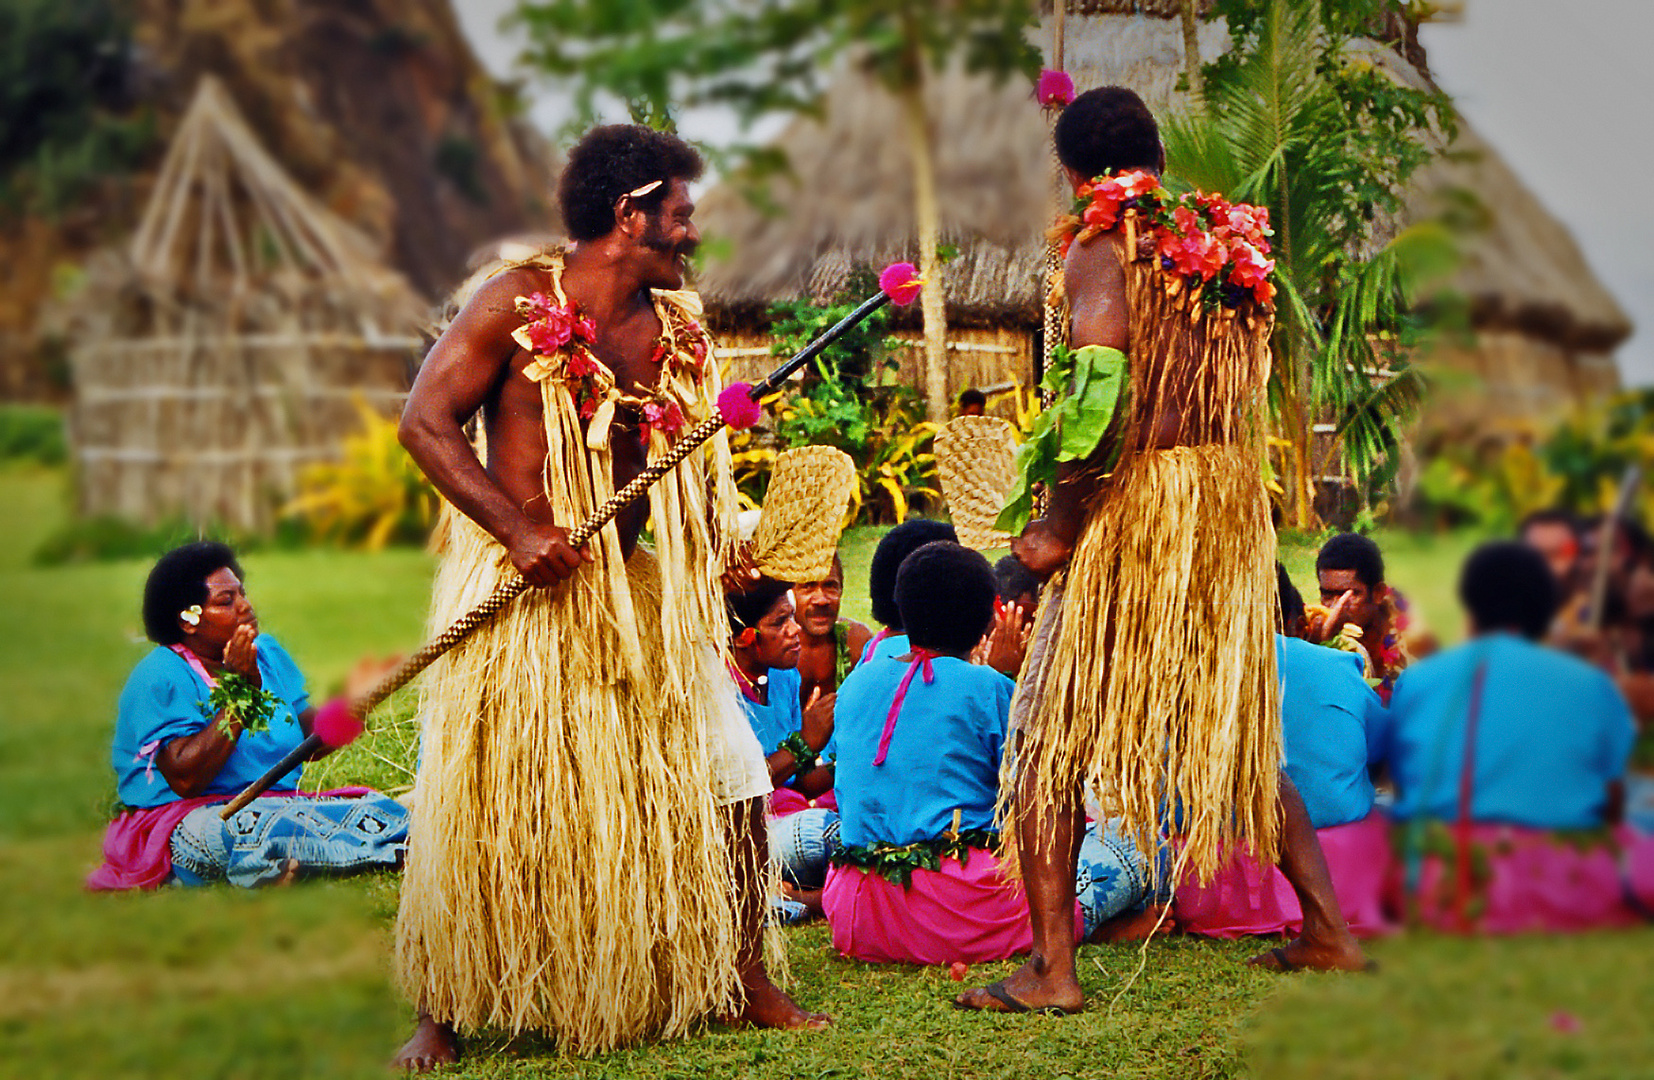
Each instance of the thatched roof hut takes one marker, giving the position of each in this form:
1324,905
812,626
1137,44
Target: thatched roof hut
227,344
1546,325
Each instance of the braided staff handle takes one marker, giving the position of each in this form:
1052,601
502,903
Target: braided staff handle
506,591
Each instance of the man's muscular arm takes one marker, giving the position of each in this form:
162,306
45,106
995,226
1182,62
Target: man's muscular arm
463,369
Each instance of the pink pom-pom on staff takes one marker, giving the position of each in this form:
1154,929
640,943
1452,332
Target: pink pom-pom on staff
1055,88
902,283
335,724
737,408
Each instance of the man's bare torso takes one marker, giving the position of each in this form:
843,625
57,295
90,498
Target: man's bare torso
514,415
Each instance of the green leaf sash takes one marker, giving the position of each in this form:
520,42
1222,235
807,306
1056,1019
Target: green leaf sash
897,863
1090,383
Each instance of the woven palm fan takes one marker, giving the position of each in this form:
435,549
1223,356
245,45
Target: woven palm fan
798,532
976,459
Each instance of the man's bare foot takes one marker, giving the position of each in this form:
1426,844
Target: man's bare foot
289,873
767,1006
1030,986
1134,926
1304,954
431,1046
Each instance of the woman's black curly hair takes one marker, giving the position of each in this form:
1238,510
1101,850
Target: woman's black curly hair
178,581
613,160
1506,585
946,593
749,608
894,546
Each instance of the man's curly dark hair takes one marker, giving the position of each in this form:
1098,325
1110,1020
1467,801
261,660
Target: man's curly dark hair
1108,129
613,160
894,546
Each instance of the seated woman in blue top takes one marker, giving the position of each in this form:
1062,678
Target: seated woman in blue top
921,737
177,754
894,547
797,739
1332,726
1539,740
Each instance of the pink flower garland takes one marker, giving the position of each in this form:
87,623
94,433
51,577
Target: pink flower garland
1200,237
552,329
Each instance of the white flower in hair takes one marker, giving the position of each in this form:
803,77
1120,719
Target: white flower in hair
191,614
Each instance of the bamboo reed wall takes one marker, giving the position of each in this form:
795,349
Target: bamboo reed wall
232,341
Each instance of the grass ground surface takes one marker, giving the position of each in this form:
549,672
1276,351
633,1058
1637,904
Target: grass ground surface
293,983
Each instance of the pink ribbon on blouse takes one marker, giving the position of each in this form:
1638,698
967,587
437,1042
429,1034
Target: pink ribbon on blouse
921,663
873,642
195,663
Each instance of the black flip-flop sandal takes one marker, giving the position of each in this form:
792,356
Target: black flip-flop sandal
997,991
1279,953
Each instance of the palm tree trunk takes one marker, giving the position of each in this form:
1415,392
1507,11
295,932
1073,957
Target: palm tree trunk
928,213
1191,47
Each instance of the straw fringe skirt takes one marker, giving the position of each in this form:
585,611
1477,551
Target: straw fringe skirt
569,869
1151,675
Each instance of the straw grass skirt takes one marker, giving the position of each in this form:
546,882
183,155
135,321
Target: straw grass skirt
570,867
1151,675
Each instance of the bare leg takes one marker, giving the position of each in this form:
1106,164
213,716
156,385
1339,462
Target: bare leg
764,1004
1326,943
432,1044
1048,844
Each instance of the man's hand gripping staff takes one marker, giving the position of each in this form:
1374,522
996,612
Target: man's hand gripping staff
340,721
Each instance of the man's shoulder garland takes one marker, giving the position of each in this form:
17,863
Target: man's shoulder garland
1199,239
560,339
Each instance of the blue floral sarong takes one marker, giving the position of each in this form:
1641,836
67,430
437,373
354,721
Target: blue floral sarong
325,835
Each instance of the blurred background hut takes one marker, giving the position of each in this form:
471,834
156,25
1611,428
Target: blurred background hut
378,109
233,339
1544,326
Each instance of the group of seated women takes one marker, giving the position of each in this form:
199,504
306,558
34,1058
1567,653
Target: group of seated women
893,838
1499,767
1502,761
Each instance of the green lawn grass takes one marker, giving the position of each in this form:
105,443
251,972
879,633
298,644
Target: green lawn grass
294,983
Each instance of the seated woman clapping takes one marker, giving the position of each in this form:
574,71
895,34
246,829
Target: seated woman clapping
213,707
797,739
921,737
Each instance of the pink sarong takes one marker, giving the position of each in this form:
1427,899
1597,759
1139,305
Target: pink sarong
137,846
1247,897
784,801
1523,880
967,913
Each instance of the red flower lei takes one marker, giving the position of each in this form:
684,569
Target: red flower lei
1199,237
552,329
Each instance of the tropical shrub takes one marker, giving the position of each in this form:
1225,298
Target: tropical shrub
372,496
882,429
32,433
1577,465
1296,116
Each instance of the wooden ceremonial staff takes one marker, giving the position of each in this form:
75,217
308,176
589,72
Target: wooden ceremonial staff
339,721
1596,613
